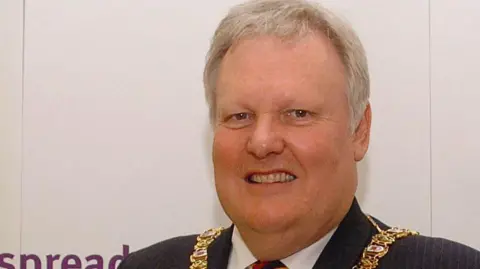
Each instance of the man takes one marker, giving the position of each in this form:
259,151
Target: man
288,88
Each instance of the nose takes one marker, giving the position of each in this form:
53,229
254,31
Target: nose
265,139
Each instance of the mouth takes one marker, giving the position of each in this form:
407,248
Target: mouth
270,177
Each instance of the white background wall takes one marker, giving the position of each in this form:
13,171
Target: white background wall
115,133
455,120
11,25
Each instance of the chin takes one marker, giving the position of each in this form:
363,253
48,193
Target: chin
261,216
264,220
266,226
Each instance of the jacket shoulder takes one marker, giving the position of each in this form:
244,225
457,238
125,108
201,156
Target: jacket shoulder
171,253
431,252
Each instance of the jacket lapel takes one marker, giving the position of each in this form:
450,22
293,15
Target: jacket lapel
219,250
347,243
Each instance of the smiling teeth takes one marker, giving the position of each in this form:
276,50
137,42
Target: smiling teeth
272,178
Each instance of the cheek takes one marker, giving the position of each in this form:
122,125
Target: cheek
313,148
227,148
323,156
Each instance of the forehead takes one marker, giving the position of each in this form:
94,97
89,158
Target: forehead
270,65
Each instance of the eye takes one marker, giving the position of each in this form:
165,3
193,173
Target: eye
299,116
238,120
240,116
299,113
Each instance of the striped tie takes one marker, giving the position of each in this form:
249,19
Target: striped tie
267,265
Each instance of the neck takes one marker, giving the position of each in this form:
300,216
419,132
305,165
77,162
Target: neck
268,246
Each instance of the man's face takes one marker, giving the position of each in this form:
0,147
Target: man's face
283,153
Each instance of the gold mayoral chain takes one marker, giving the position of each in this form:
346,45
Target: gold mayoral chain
378,247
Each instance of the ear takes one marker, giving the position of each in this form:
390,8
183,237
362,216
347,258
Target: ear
361,138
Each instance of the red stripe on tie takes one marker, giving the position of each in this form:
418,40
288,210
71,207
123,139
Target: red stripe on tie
259,265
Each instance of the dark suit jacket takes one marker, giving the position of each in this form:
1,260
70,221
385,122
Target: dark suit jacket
343,250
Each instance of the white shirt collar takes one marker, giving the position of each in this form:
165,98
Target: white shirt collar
241,257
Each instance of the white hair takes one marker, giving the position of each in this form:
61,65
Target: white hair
288,19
